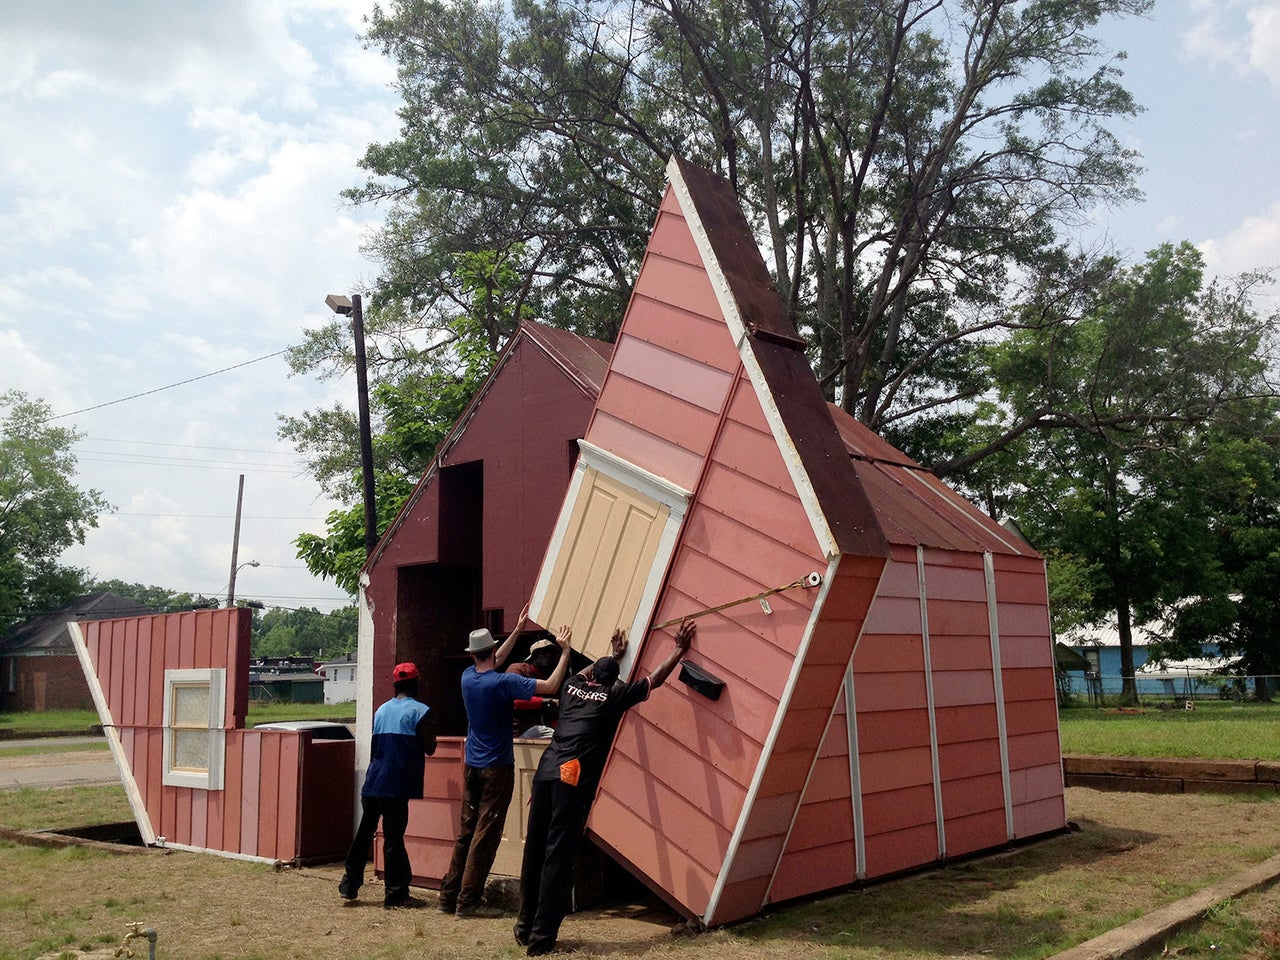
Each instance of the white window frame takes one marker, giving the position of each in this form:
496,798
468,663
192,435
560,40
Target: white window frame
210,778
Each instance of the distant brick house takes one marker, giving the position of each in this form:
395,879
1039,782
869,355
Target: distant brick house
39,669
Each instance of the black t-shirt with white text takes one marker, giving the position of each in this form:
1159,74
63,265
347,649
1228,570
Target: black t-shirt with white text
589,717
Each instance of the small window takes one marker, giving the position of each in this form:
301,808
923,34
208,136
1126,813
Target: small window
194,738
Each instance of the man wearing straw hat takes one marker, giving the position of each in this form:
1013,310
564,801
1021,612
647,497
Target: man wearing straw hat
489,762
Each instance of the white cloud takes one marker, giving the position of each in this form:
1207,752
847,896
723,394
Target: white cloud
1242,36
1253,245
1264,41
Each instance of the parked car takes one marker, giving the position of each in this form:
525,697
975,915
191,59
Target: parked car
319,729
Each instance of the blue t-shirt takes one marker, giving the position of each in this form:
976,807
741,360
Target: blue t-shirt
488,698
397,763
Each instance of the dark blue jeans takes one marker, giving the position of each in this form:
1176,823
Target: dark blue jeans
394,813
557,814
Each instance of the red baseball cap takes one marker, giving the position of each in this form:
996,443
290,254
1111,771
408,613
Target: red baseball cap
405,671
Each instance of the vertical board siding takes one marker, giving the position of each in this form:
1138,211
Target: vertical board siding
268,794
1031,716
969,764
250,791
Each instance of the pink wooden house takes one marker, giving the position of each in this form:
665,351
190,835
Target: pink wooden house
889,703
900,712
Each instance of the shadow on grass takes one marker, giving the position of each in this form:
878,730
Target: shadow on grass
1024,902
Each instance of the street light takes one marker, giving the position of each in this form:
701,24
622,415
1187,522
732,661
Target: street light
231,587
351,307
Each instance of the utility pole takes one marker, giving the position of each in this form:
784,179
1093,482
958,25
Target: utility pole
235,547
343,305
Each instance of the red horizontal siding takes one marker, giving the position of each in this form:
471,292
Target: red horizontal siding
687,334
679,284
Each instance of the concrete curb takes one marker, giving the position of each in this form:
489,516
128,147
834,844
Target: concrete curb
1148,934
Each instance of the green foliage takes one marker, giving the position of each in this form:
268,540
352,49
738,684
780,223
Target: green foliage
1124,392
42,512
306,632
902,162
160,599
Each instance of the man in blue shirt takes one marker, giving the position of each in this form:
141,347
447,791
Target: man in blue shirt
403,736
489,762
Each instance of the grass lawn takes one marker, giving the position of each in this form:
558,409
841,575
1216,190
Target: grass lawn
76,721
1216,729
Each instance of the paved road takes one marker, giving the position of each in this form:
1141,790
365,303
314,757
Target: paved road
56,766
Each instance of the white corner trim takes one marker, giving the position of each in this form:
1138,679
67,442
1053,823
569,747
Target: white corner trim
993,621
855,778
933,717
364,691
109,729
738,330
766,750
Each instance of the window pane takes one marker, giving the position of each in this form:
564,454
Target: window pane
191,749
191,705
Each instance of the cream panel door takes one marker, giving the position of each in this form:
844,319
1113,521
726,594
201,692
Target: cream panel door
605,562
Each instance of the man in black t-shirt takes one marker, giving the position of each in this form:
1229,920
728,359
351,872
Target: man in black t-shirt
591,705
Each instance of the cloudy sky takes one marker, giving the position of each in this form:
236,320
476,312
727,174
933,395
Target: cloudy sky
169,209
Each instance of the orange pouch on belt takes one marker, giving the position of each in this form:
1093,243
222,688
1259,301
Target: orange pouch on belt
569,772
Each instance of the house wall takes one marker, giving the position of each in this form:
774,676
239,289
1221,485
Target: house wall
685,772
44,682
283,797
940,726
527,461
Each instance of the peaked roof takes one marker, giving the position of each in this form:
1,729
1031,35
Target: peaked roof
774,354
48,633
915,507
583,360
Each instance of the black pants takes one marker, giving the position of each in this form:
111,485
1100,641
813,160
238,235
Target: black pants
394,813
486,794
557,814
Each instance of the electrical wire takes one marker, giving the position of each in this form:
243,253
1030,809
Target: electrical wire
169,386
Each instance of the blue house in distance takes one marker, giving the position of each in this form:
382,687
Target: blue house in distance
1100,646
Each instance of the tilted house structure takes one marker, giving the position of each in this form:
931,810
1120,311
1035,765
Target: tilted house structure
463,552
888,703
900,712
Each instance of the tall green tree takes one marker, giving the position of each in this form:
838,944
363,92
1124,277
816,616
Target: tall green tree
1115,388
1236,600
42,511
904,162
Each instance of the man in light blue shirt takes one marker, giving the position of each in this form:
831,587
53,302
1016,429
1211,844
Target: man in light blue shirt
403,736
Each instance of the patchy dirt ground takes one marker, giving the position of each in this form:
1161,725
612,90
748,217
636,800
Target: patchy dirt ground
1132,852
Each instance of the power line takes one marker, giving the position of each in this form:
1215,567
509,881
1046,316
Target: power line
208,516
196,446
170,386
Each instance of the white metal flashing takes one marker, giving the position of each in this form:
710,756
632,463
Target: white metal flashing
766,750
364,691
738,329
933,717
855,778
993,619
136,802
